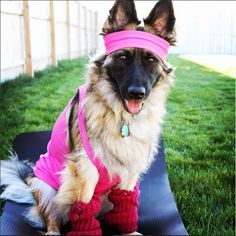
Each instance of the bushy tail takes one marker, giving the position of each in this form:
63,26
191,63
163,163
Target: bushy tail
13,175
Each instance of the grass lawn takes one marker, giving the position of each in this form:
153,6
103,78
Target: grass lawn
198,134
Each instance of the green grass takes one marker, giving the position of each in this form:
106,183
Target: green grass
34,104
198,134
199,146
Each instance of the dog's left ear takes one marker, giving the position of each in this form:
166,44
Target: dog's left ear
122,16
161,21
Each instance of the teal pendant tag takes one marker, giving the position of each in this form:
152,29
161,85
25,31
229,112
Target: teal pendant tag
125,130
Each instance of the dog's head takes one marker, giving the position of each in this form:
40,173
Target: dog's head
133,72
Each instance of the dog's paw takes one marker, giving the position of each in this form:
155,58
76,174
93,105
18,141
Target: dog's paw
134,233
52,233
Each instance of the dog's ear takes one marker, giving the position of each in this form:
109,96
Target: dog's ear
161,21
122,16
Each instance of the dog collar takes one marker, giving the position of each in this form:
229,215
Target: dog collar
136,39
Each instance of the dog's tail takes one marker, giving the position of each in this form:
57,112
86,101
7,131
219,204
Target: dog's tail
14,173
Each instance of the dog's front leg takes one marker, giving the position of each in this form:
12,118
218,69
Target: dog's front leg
79,179
124,215
129,183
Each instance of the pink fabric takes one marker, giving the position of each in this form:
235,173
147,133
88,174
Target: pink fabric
51,163
124,214
136,39
83,132
82,218
104,182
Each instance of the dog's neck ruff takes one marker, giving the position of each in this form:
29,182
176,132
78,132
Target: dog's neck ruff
136,39
83,131
51,164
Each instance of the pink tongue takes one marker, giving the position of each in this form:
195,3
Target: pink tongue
134,106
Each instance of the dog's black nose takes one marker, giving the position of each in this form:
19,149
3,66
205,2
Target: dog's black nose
136,92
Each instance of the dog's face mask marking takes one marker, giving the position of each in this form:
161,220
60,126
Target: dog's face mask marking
134,71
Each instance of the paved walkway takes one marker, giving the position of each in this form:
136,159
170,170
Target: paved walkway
225,64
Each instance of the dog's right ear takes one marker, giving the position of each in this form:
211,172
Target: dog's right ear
122,16
161,21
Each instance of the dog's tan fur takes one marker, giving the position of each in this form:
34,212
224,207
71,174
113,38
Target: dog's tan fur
128,157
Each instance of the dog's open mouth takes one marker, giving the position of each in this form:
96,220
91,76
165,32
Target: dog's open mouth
134,106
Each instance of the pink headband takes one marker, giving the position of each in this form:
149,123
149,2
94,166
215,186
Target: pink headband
136,39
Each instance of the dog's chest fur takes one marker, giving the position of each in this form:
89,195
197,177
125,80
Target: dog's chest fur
126,156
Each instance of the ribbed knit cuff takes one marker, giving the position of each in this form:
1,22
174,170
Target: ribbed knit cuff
124,200
84,211
91,232
124,215
82,218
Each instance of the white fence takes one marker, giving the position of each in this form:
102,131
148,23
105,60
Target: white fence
35,34
205,27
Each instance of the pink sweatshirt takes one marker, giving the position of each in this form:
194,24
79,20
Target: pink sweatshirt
50,164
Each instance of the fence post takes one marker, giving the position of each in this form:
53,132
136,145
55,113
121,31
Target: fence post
52,30
28,57
79,31
96,31
86,29
68,27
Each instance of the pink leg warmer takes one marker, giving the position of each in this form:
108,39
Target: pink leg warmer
82,218
124,215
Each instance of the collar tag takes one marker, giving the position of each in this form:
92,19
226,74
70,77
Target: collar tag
125,130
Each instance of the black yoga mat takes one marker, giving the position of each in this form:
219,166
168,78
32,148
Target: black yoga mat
158,213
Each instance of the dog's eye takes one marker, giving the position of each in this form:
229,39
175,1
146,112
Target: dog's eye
151,59
123,57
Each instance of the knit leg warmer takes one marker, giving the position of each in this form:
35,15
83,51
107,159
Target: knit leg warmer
124,215
82,218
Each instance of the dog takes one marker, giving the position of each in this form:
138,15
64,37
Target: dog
110,128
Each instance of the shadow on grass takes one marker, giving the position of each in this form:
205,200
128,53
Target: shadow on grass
29,104
198,133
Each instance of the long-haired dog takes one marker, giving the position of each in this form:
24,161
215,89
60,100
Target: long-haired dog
106,137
